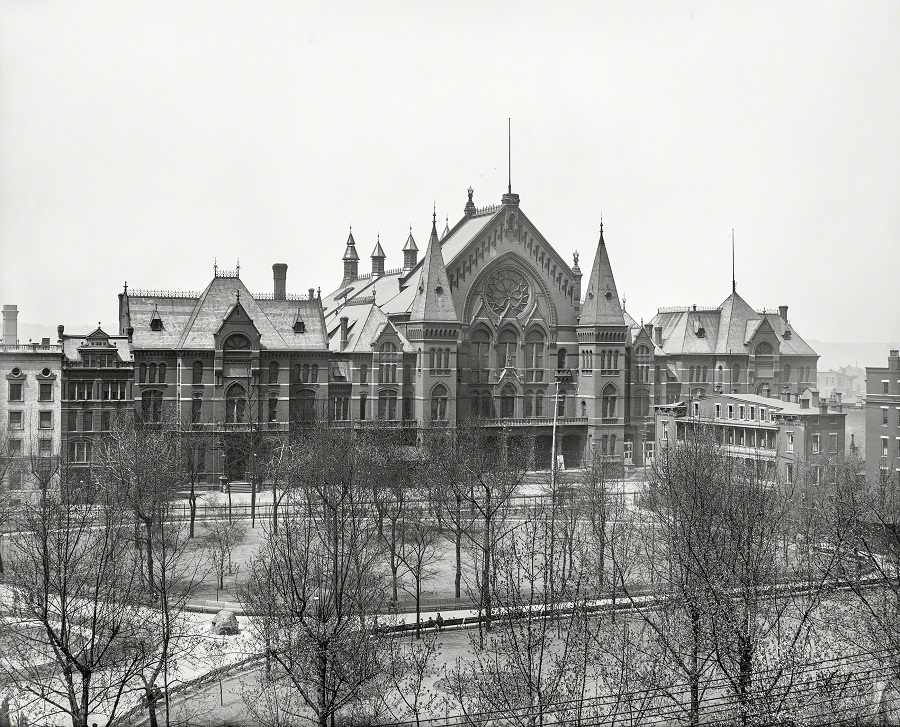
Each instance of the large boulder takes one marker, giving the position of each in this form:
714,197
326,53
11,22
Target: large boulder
225,623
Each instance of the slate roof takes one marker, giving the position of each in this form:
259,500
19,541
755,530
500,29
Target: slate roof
727,329
365,324
190,323
601,305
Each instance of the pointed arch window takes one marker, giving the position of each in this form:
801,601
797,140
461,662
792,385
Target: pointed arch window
561,404
272,415
539,404
529,404
561,359
507,348
508,402
609,401
152,374
363,374
196,408
197,372
273,372
480,358
304,406
439,403
162,373
142,374
534,356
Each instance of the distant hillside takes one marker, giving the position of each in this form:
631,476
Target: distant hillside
835,354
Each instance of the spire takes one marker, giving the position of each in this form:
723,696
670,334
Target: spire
733,281
378,258
446,227
351,259
410,252
509,152
601,305
433,300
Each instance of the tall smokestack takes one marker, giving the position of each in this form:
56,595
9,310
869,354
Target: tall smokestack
10,324
279,276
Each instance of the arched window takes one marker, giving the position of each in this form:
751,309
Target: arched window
303,406
474,405
534,356
162,373
431,358
539,404
273,407
506,349
561,359
583,408
612,444
763,389
387,347
508,402
604,446
314,374
439,403
151,406
363,374
615,365
609,401
235,404
236,342
691,373
736,374
152,374
786,373
764,349
198,372
529,403
273,372
362,406
196,406
561,404
304,376
142,373
480,356
387,405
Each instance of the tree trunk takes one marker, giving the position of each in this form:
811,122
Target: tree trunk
486,573
192,502
150,579
458,579
695,668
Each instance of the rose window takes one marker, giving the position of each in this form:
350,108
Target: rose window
507,291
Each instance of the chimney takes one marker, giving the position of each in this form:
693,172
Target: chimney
786,393
279,276
815,397
893,359
10,324
45,342
657,335
782,311
344,321
59,332
312,293
648,327
823,406
130,333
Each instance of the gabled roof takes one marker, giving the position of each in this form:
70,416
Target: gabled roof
365,325
190,323
432,300
601,305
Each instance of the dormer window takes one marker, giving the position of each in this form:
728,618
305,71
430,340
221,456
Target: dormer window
787,334
299,326
155,321
701,332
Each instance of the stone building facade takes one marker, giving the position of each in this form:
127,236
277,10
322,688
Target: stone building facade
883,422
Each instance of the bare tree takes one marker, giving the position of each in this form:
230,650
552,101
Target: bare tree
421,549
222,536
76,590
410,669
315,586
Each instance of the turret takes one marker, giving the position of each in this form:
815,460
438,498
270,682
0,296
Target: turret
410,252
351,259
378,259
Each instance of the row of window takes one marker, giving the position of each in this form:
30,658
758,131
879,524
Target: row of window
17,391
88,420
109,390
15,447
17,420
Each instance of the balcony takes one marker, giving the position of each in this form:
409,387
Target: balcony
534,422
753,452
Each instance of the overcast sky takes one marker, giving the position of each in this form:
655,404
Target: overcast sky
141,140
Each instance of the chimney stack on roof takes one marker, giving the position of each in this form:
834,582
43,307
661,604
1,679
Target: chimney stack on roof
657,335
10,325
344,337
60,329
312,293
279,275
782,311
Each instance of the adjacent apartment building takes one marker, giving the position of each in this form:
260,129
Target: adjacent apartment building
789,438
883,420
31,435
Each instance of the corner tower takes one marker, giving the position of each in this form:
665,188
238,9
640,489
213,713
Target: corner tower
433,329
602,347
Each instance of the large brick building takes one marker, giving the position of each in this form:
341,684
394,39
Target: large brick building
883,421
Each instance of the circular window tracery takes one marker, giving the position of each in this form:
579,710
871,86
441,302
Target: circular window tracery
507,290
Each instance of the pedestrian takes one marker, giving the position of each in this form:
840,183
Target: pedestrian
440,622
430,623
